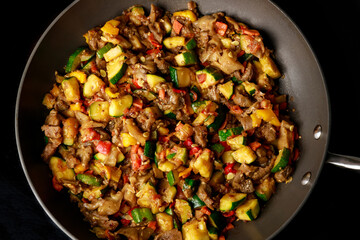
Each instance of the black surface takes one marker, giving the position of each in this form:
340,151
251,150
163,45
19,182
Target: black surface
331,29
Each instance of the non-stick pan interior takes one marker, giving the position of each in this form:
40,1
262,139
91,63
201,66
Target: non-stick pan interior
302,80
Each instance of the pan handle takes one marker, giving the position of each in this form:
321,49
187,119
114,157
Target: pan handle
343,161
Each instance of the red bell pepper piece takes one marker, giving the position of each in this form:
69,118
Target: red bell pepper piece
229,168
104,147
90,135
177,26
201,78
221,28
153,41
56,185
179,91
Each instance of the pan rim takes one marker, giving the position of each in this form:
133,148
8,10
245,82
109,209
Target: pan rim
69,234
17,134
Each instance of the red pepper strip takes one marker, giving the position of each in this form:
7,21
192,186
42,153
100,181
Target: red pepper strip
229,168
228,214
154,50
90,135
136,84
188,143
162,94
152,225
225,145
221,28
194,150
125,222
201,78
179,91
254,145
177,26
250,32
138,103
153,41
206,211
104,147
135,158
56,185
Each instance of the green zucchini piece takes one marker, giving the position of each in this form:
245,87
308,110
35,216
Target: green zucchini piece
100,53
170,156
244,155
158,149
180,76
249,210
119,105
219,119
74,60
154,80
170,114
236,81
225,133
142,214
245,57
89,179
186,58
217,220
113,53
138,11
173,42
250,87
116,70
265,189
190,184
171,178
150,96
92,85
198,106
227,89
213,233
217,147
99,111
230,201
149,149
183,210
282,160
208,76
236,142
191,44
194,90
181,154
196,202
60,170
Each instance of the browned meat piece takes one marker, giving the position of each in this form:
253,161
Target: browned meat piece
284,174
173,234
241,100
204,193
49,150
95,219
255,172
162,65
52,131
212,93
286,136
172,101
69,155
135,233
53,118
242,184
94,39
155,12
158,32
85,154
246,122
200,135
261,156
147,117
267,131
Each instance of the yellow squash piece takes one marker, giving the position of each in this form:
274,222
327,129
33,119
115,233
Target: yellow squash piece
269,116
110,27
269,67
186,14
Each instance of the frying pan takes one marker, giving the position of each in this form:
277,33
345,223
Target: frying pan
303,77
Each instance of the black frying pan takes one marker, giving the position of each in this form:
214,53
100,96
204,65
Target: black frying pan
303,81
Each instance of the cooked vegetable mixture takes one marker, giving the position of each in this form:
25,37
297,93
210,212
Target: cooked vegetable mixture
169,126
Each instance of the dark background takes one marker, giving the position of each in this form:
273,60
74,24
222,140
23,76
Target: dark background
332,29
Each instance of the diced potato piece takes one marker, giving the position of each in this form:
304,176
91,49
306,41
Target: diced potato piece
204,164
164,221
71,89
195,230
128,140
183,210
147,197
70,130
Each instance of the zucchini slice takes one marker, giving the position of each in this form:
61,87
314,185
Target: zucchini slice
116,70
100,53
219,119
119,105
250,87
113,53
173,42
186,14
154,80
186,58
74,60
236,142
282,160
191,44
230,201
196,202
244,155
249,210
92,85
149,149
265,189
225,133
89,179
227,89
60,170
217,220
99,111
180,76
208,76
150,96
